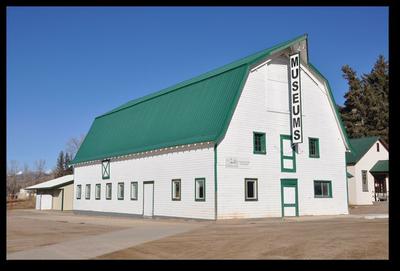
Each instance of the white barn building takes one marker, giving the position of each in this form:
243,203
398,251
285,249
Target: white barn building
218,146
368,166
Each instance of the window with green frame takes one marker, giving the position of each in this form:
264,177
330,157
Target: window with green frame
105,169
322,189
259,143
288,154
200,189
313,147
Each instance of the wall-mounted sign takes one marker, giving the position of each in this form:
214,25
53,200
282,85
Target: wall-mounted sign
296,123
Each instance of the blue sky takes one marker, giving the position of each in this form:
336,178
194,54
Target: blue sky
65,66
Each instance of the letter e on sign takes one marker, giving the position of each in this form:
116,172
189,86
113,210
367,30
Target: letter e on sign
296,123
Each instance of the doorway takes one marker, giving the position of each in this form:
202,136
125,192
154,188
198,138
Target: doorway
289,197
148,198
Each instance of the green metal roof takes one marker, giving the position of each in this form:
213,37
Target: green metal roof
359,147
349,175
196,110
382,166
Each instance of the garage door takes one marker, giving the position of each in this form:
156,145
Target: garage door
46,201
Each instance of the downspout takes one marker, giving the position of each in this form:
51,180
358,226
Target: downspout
215,180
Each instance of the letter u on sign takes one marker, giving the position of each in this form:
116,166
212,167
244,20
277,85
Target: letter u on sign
296,125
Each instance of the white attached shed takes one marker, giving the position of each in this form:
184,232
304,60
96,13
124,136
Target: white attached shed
236,142
56,194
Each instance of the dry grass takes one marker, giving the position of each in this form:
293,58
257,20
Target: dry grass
21,204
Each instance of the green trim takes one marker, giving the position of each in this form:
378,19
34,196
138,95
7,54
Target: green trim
80,191
316,140
95,191
123,191
105,169
109,184
172,190
289,183
245,189
215,181
136,196
347,180
329,189
283,157
204,190
342,127
262,143
366,179
86,188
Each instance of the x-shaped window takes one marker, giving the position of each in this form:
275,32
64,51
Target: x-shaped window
105,169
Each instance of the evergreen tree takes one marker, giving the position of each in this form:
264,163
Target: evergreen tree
67,168
366,109
60,166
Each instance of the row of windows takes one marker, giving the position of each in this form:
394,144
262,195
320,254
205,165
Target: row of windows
322,189
200,193
108,192
259,145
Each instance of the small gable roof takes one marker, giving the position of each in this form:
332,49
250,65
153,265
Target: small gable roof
193,111
382,166
360,146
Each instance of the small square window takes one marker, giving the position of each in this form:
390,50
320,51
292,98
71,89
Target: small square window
97,191
108,191
78,191
251,193
176,189
120,190
105,169
322,189
259,143
87,191
134,190
313,146
200,189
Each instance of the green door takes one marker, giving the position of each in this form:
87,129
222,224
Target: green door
289,197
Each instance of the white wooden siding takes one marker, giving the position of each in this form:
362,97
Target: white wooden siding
255,113
185,164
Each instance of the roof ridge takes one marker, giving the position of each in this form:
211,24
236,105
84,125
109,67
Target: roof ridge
206,75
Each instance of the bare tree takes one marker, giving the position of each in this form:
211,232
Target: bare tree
73,145
39,168
12,171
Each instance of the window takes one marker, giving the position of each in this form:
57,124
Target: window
364,181
200,189
322,189
108,191
120,190
313,147
87,191
288,154
97,191
250,186
78,191
259,143
134,190
377,147
176,189
105,169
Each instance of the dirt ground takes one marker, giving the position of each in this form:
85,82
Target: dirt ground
379,207
333,238
26,231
